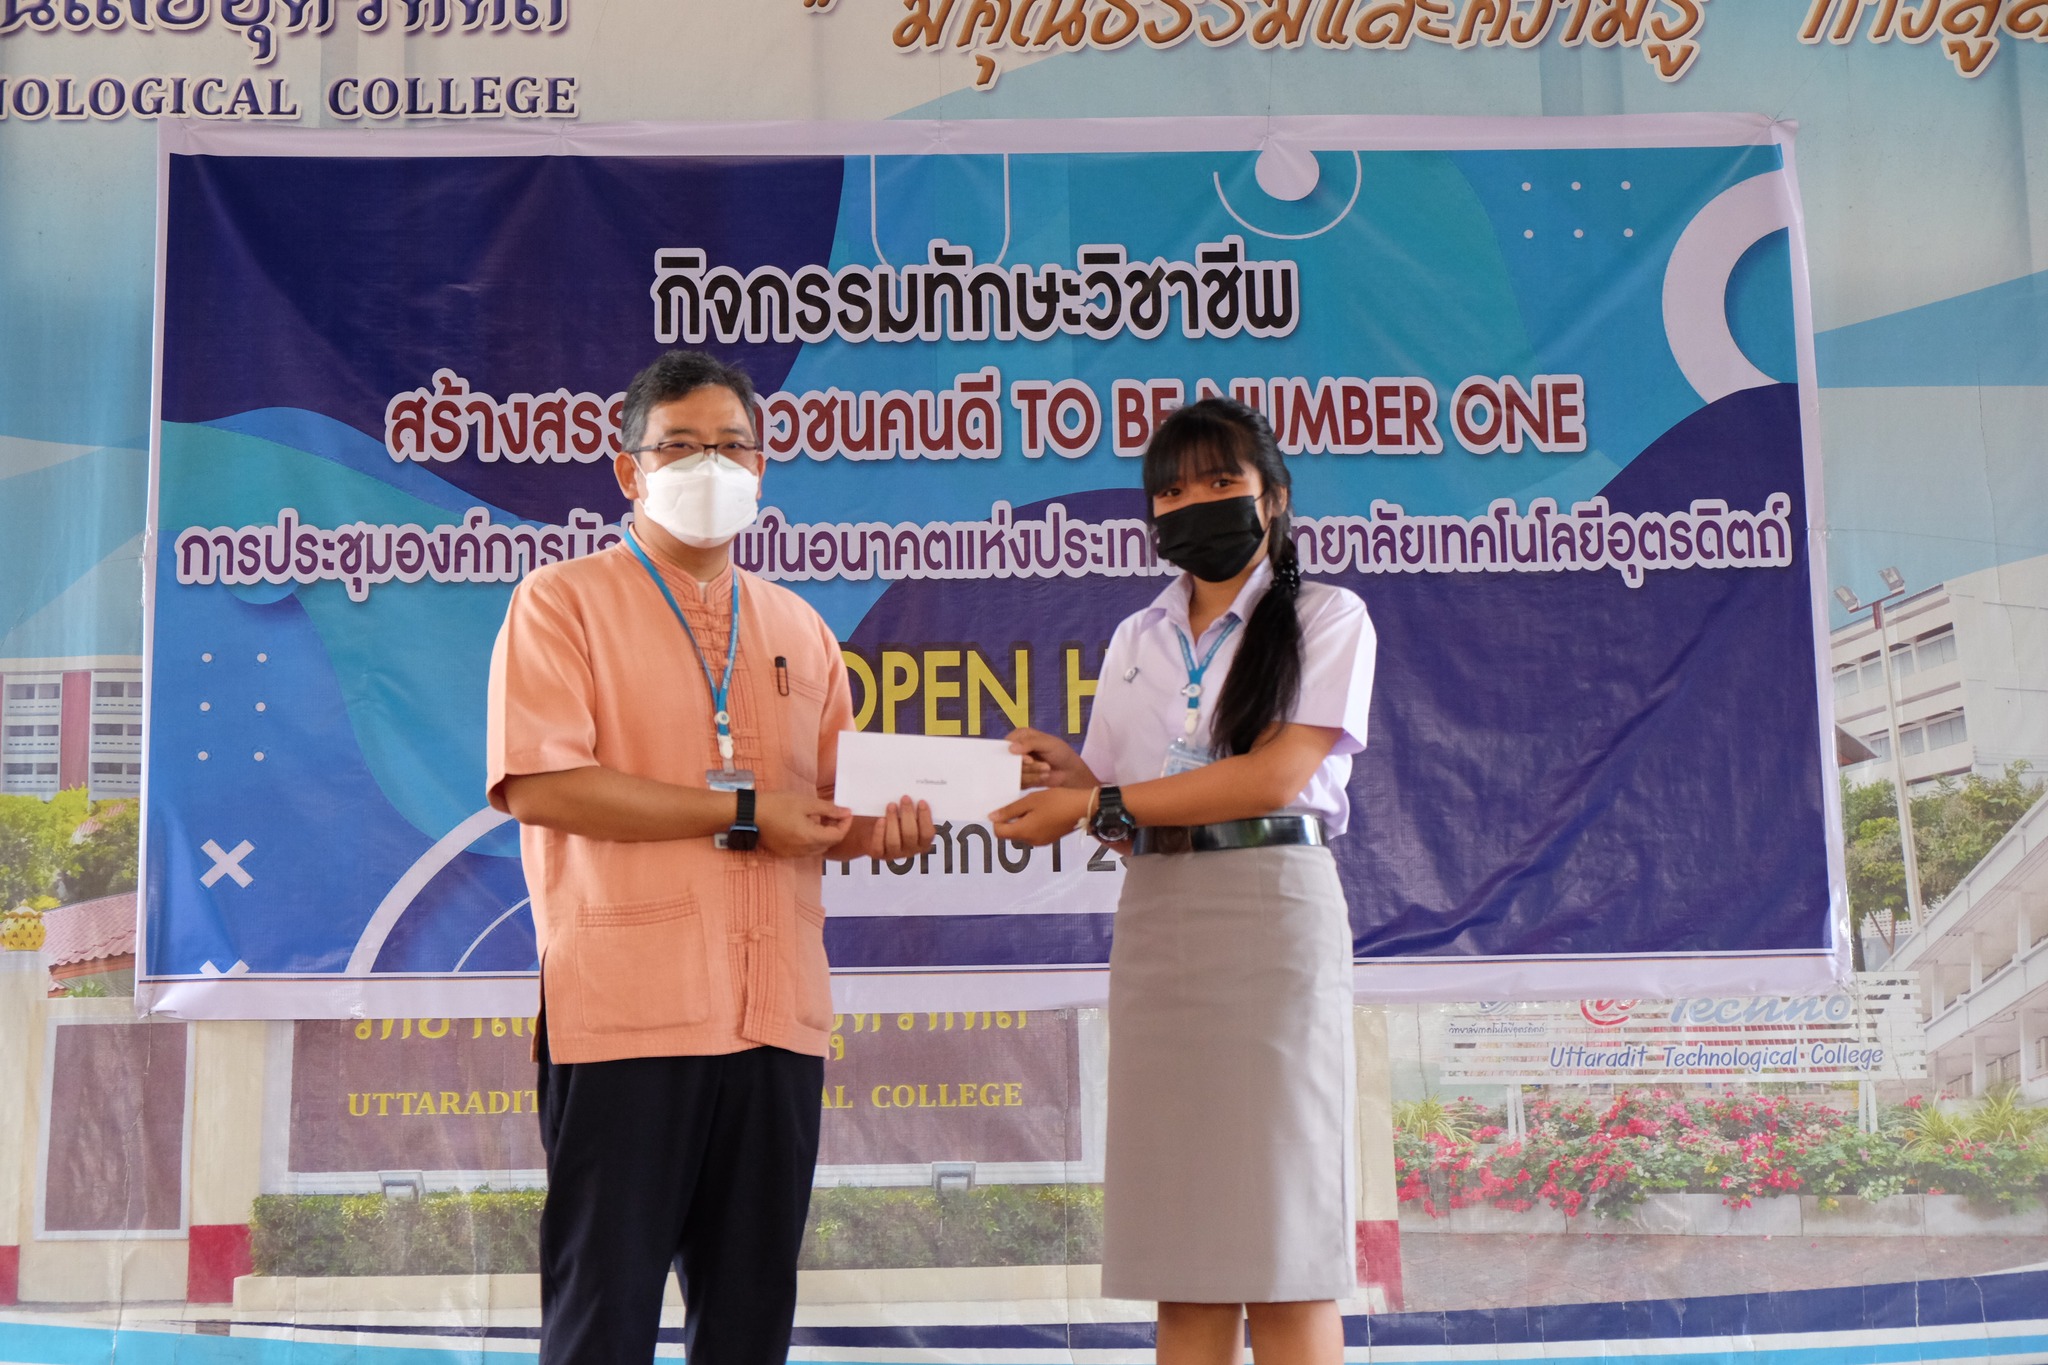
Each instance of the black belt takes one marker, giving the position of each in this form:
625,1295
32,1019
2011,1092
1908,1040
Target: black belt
1267,831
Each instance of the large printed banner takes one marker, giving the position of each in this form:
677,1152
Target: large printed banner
1546,387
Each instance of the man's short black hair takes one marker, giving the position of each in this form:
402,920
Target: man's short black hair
678,374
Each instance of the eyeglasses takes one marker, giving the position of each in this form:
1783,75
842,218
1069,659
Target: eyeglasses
666,453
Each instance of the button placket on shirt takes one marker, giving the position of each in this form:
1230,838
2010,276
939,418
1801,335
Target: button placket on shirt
753,940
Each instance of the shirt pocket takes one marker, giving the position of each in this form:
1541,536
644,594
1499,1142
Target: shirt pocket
641,965
803,709
809,972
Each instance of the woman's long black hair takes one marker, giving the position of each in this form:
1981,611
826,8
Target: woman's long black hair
1222,435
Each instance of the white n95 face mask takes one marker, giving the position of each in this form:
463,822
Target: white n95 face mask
702,502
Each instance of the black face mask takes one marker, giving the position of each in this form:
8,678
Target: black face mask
1211,540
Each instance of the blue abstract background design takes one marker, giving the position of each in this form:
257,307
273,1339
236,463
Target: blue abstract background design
1554,718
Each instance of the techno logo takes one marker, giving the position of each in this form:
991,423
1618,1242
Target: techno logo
1606,1013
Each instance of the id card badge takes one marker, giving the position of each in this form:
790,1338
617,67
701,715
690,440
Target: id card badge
729,779
1184,757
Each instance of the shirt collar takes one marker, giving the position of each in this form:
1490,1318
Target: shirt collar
680,582
1172,604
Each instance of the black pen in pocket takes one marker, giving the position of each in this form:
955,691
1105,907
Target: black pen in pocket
781,676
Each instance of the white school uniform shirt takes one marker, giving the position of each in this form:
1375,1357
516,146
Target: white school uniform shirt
1140,709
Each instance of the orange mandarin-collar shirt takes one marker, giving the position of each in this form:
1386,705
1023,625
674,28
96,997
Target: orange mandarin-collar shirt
672,948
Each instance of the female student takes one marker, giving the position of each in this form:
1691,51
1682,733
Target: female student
1221,741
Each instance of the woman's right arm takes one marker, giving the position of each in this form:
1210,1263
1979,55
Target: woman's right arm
1052,762
1240,788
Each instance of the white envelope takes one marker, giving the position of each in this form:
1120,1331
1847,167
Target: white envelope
963,779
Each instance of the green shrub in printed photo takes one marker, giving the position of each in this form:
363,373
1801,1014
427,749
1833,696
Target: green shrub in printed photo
1457,1119
995,1225
485,1232
497,1232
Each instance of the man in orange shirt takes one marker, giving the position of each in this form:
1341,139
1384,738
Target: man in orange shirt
664,726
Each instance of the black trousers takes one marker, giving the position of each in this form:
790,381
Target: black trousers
703,1162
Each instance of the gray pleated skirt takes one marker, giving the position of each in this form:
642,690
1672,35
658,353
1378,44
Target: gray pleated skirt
1232,1158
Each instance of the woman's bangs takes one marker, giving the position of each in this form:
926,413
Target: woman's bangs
1195,455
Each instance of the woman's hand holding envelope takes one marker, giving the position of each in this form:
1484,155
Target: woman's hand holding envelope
1049,761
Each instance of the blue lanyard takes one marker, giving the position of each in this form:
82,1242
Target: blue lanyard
719,690
1193,691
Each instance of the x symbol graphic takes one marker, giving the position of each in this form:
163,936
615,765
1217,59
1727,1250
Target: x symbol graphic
226,864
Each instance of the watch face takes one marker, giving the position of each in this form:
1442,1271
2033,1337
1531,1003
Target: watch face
1112,822
742,838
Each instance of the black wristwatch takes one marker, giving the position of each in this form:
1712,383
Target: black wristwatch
1111,823
744,833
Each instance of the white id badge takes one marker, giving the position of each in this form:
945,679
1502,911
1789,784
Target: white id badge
729,779
1183,757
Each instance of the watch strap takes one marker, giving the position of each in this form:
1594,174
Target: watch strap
744,833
